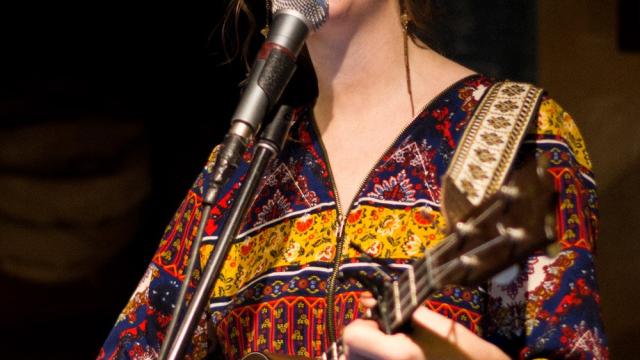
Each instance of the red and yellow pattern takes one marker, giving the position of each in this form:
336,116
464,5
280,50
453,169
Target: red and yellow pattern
272,293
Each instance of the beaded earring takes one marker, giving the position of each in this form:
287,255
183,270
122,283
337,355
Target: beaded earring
267,23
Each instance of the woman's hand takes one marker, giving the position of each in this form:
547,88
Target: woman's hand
364,340
434,337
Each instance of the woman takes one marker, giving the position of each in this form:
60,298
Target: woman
280,291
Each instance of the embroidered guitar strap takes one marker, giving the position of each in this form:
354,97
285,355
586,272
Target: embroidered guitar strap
488,146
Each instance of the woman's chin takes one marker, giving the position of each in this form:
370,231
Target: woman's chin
338,9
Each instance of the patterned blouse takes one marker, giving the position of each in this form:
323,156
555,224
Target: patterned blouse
279,290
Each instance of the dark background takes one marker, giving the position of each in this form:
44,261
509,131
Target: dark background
629,34
146,69
108,111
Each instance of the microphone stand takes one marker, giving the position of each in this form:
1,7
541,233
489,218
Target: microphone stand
272,71
267,148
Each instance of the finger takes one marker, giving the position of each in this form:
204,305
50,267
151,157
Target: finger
366,294
365,323
438,324
368,303
364,340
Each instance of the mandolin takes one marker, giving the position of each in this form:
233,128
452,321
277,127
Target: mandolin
503,230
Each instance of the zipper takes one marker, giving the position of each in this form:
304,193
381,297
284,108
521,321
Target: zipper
331,284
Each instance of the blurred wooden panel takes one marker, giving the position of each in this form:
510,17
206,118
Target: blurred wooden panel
581,65
72,195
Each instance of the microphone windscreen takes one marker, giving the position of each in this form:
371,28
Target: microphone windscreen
315,11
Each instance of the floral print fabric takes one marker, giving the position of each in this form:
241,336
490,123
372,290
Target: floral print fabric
272,293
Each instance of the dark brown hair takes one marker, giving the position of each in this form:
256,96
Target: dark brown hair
420,14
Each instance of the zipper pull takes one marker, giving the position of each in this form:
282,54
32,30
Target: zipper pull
341,224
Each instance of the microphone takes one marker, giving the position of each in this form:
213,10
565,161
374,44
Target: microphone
271,72
269,76
275,63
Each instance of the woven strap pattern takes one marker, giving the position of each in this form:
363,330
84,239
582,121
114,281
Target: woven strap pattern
492,138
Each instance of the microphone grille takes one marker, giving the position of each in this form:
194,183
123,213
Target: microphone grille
315,11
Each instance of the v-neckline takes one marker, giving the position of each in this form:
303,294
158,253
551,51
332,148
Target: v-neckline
340,211
341,215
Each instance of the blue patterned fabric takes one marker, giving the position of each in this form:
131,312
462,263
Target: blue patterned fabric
273,291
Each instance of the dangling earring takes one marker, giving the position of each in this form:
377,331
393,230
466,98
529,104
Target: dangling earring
267,23
404,18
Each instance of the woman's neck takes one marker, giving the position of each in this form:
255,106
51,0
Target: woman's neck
357,56
359,61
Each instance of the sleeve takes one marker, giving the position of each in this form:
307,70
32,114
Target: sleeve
551,310
139,330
